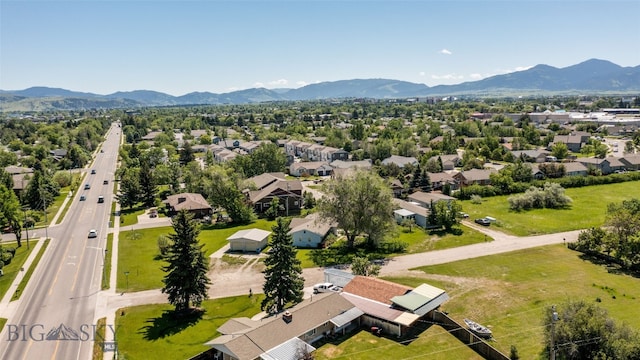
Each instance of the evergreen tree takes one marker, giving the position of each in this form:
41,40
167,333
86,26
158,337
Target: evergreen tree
283,274
415,179
186,280
186,154
425,181
148,188
130,191
40,191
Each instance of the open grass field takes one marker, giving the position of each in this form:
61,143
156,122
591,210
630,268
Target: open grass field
587,210
511,292
11,270
151,332
138,253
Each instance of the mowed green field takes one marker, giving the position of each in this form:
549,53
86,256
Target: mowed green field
138,253
510,292
587,210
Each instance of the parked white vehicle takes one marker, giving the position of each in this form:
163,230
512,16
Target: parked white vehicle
325,287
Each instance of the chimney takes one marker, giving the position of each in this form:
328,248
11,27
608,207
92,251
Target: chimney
287,317
181,199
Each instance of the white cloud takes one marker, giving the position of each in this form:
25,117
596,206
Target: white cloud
422,73
476,76
258,85
448,77
445,52
302,83
279,82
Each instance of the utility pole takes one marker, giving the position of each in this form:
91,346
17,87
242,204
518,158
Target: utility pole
554,318
46,219
24,224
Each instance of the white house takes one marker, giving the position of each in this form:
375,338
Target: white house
309,232
249,240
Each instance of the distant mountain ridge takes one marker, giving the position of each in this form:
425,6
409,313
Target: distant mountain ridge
591,76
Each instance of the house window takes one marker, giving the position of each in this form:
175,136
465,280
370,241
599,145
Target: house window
311,332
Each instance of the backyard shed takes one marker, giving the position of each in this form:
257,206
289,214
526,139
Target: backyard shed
249,240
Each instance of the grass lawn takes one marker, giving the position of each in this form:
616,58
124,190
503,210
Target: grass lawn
2,322
587,210
130,216
97,353
106,270
151,332
138,252
433,344
11,270
305,259
25,280
420,240
510,292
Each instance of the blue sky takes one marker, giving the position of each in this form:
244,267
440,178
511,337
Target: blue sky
221,46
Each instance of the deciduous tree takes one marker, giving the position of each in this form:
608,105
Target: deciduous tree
359,204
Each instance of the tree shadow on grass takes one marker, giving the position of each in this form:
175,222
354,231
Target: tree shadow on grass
611,264
170,323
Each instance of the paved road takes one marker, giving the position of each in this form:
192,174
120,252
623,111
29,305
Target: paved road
59,301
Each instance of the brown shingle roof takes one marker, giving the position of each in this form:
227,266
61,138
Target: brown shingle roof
375,289
189,201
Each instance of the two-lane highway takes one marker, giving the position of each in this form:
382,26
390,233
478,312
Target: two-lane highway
54,319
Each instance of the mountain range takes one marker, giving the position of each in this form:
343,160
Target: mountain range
589,77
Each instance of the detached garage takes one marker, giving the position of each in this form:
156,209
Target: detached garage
250,240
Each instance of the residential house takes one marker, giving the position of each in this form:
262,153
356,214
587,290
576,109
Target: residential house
400,161
310,231
392,307
289,193
263,180
341,164
631,162
151,136
320,168
249,240
58,154
534,156
425,199
449,161
345,168
314,152
536,173
575,168
473,177
280,336
616,164
397,187
196,204
601,164
410,211
20,176
438,180
574,141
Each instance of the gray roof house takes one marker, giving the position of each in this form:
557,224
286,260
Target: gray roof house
320,168
631,162
406,210
310,231
400,161
574,168
279,336
425,199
